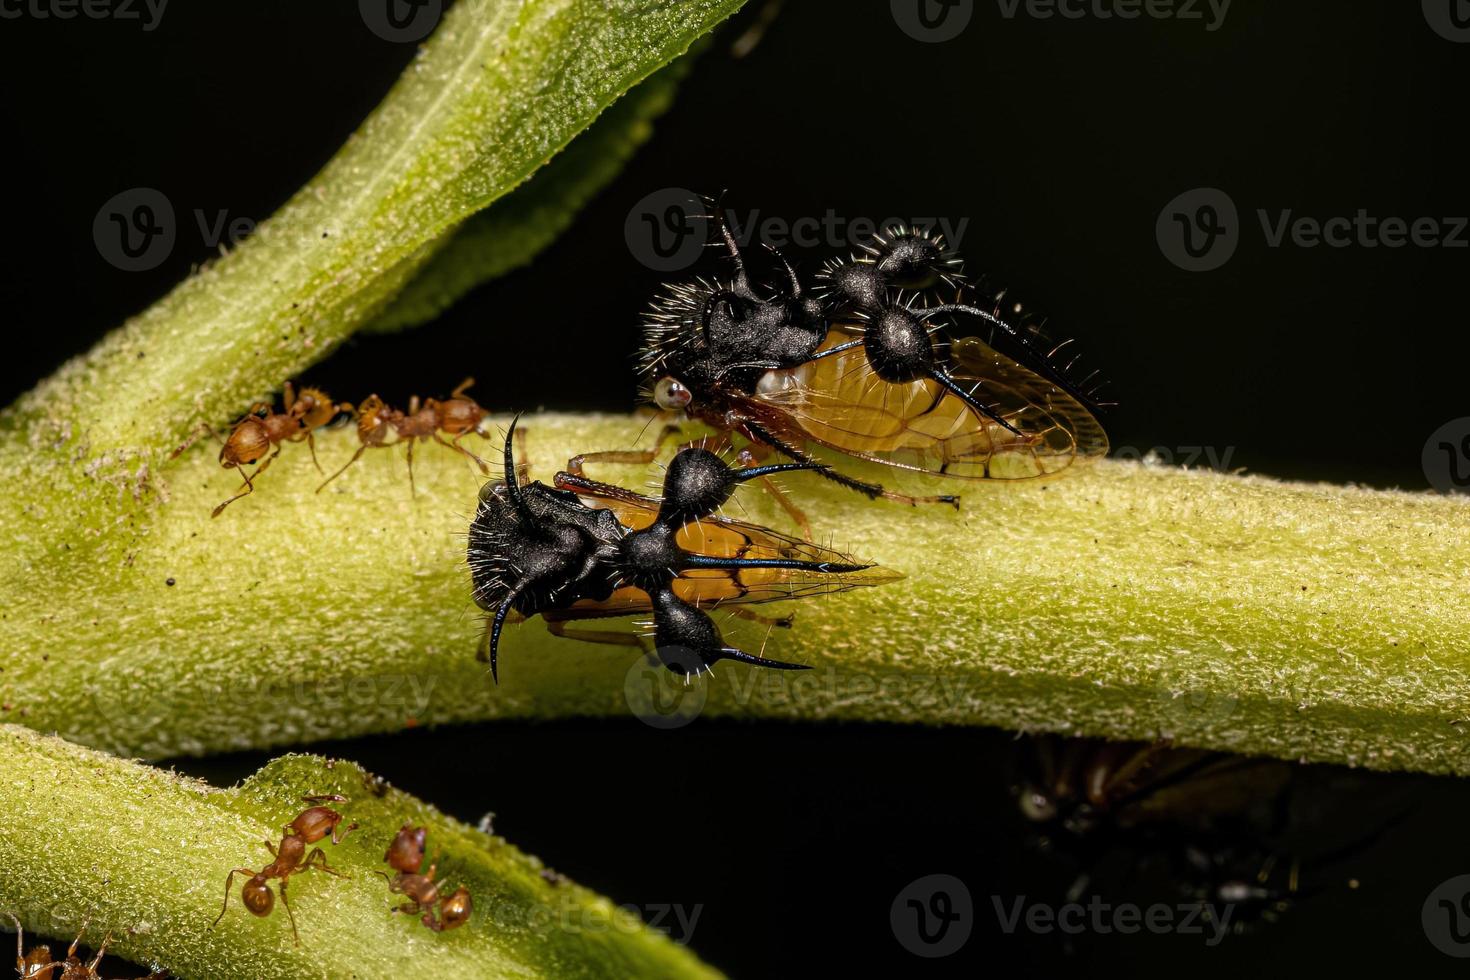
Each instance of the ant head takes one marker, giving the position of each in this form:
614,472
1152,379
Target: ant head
314,408
406,853
314,823
257,896
455,910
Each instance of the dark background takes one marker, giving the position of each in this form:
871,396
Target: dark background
1061,141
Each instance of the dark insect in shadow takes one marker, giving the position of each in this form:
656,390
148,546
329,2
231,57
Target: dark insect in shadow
1218,830
587,550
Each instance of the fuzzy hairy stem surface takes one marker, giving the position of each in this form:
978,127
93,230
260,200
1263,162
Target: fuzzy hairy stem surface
143,854
1300,621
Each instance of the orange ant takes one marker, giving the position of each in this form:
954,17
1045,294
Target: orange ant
406,856
38,965
456,416
262,428
310,826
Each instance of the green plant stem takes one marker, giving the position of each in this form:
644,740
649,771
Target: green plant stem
1299,621
143,854
499,89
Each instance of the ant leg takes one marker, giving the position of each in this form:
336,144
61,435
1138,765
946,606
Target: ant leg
645,456
756,433
295,936
609,637
228,882
311,444
101,950
484,468
249,484
753,454
199,430
464,386
783,499
781,622
318,859
355,457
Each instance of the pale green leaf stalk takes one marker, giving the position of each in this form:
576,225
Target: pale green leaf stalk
1122,600
514,230
143,854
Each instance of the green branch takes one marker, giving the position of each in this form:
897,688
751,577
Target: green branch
143,854
499,89
1125,600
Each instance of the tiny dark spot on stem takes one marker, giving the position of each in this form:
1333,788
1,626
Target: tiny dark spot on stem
169,580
